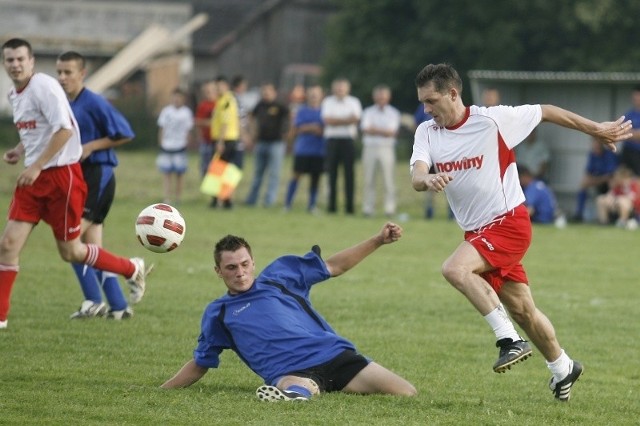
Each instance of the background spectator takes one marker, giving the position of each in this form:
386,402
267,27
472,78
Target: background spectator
341,114
270,122
379,125
539,199
174,124
630,155
309,147
600,167
534,154
622,202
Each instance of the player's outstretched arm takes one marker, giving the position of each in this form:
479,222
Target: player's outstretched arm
188,375
607,132
346,259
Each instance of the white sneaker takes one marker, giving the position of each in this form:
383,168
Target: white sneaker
631,224
89,309
3,324
120,315
137,284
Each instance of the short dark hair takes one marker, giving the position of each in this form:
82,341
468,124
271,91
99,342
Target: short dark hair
230,243
237,81
72,55
15,43
442,76
222,78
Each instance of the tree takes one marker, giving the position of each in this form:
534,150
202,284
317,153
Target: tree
389,41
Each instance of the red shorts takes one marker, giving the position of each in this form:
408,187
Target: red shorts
503,243
57,197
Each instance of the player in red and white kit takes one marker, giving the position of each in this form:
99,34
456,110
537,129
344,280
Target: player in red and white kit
51,187
471,149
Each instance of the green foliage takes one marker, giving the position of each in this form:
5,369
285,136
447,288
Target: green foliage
391,40
395,306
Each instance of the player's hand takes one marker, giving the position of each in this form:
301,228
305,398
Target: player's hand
390,233
28,176
610,132
438,182
12,156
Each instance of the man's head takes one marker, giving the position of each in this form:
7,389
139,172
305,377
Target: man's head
440,89
178,97
239,84
223,84
234,263
525,175
341,87
268,92
18,61
209,90
490,97
381,95
314,95
71,69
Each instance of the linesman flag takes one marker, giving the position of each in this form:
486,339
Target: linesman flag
221,179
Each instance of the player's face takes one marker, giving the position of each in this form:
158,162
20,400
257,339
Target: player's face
237,270
18,64
70,76
441,106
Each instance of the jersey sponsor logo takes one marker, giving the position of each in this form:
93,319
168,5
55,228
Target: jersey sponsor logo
463,164
22,125
238,311
73,229
487,243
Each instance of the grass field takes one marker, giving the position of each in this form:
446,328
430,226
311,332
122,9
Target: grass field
395,306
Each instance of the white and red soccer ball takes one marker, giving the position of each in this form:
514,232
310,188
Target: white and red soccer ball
160,228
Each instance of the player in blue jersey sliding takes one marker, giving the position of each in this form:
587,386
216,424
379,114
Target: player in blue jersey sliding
268,321
102,128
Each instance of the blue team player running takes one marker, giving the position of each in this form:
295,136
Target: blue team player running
268,321
102,128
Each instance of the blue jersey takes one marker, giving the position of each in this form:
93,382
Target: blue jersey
538,195
307,144
272,327
97,119
604,164
634,116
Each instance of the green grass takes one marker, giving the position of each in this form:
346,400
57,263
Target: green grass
395,306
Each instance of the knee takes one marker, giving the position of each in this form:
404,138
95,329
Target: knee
454,273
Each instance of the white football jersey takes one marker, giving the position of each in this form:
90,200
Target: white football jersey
478,154
40,110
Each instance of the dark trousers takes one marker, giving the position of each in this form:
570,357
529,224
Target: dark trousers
340,151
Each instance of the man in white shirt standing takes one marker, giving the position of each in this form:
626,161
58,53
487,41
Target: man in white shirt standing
379,125
471,149
341,114
51,187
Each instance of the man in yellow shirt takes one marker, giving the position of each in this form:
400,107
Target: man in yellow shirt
225,129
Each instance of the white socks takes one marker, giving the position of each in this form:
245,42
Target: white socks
561,367
501,324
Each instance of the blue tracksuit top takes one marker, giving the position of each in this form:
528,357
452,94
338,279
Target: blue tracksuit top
272,326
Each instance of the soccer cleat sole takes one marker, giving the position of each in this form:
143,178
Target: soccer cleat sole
507,366
273,394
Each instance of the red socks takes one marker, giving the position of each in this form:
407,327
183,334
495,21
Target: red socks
101,259
8,275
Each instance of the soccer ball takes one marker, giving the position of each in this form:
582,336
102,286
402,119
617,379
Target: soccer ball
160,228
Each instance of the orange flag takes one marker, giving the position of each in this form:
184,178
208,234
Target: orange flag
221,179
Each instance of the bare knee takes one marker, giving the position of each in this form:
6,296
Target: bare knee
72,251
454,273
